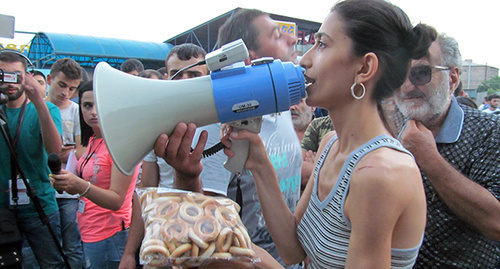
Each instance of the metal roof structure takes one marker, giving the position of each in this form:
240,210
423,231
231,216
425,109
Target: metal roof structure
46,47
205,35
88,51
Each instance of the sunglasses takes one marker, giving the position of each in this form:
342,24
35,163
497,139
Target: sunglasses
422,74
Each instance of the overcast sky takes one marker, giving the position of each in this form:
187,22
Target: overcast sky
473,23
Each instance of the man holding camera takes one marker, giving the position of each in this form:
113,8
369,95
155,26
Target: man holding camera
35,129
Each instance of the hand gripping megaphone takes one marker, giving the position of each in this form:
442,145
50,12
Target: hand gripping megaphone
134,111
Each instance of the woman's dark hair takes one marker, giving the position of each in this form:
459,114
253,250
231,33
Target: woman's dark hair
86,130
382,28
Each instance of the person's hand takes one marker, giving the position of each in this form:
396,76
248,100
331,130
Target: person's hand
65,151
68,182
309,156
32,88
257,152
419,141
176,149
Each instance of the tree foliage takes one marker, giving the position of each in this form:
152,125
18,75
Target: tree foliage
492,84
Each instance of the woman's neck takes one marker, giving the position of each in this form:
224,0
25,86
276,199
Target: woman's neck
97,133
357,124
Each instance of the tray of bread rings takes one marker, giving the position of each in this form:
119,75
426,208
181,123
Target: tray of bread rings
190,229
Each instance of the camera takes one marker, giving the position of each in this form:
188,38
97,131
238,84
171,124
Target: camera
10,77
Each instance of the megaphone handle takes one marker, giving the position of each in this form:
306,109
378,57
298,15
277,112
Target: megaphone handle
241,148
236,163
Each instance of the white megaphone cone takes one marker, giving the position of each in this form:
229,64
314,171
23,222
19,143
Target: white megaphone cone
134,111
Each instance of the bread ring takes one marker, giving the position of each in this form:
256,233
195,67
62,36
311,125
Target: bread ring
224,240
222,255
245,234
174,230
153,230
239,238
167,209
200,198
188,198
209,201
207,228
184,254
195,250
237,251
152,220
146,197
156,255
170,246
162,199
180,250
152,242
208,252
190,212
209,206
210,209
196,239
226,216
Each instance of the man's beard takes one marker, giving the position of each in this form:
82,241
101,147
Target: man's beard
12,96
303,120
432,106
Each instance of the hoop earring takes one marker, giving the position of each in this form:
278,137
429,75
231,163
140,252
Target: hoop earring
354,95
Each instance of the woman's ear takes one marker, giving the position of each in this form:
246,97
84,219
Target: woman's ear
368,68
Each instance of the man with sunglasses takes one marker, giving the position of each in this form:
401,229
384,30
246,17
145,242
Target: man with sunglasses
456,148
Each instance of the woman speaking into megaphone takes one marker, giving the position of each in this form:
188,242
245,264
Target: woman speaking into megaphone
105,206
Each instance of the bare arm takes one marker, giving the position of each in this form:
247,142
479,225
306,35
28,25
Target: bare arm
51,137
150,174
111,198
386,210
281,223
135,236
470,201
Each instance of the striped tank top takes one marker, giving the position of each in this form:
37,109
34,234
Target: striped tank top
324,230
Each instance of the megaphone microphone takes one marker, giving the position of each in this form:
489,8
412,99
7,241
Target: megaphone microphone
134,111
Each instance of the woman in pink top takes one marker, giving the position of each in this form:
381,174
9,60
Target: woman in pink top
105,205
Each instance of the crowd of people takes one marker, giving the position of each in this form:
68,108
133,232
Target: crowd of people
403,172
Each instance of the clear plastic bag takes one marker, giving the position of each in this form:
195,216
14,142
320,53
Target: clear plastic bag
190,229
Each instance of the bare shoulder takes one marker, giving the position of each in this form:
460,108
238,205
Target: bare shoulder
325,140
388,170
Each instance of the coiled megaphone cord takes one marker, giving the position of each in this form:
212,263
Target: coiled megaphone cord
212,150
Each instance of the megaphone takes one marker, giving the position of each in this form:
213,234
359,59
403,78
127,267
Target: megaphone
134,111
